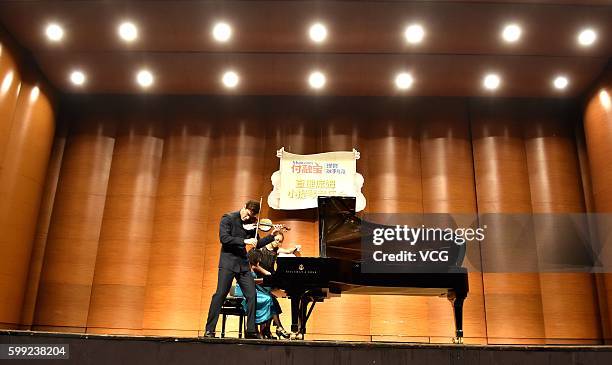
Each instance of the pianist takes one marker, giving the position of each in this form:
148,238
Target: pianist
266,258
236,231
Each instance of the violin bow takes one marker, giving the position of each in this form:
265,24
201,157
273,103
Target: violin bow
257,227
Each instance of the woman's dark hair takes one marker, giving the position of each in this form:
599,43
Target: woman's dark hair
254,257
283,239
253,206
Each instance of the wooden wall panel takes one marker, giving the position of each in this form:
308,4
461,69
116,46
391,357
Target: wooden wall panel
176,266
42,228
68,268
237,163
9,92
448,187
10,82
118,292
393,185
598,132
511,282
342,130
569,299
22,176
293,126
446,158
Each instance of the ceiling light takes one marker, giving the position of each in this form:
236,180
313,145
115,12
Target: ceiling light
144,78
511,33
560,82
128,31
54,32
317,80
587,37
318,32
222,32
414,34
491,81
230,79
77,78
403,80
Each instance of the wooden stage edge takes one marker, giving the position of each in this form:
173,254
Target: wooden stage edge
94,349
4,334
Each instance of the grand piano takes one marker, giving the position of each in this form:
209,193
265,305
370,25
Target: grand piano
340,270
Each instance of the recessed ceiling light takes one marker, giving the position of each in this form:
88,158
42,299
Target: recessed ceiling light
403,80
230,79
491,81
317,80
414,34
318,32
587,37
512,33
54,32
560,82
222,32
77,77
6,82
144,78
128,31
604,98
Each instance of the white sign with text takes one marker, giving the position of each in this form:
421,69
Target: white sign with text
302,178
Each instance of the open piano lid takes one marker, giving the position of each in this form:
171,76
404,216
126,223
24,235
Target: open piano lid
341,233
339,228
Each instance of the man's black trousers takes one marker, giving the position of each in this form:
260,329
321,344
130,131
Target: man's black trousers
224,283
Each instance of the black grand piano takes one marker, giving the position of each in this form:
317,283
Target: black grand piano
338,270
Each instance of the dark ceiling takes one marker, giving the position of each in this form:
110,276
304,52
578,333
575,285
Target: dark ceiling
271,51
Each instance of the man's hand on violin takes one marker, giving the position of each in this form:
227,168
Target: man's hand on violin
251,241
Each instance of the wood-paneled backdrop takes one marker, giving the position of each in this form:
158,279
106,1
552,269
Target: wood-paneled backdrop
27,127
126,240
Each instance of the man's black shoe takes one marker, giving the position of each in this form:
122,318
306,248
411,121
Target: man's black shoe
251,335
209,334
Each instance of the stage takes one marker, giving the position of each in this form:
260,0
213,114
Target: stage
110,349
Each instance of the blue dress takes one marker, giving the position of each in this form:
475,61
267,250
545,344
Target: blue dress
264,309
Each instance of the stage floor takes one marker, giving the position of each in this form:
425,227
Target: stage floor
113,349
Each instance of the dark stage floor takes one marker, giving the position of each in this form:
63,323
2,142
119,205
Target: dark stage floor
109,349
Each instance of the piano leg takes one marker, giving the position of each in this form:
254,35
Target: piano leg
300,312
457,302
295,313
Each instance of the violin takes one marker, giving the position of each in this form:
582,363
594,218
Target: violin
265,225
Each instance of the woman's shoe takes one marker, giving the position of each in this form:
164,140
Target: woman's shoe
268,335
280,332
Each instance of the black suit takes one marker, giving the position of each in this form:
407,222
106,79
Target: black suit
233,263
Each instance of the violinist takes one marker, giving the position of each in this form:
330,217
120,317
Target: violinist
236,231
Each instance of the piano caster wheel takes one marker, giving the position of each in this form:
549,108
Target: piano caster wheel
458,340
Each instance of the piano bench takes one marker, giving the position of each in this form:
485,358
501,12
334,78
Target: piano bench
232,306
